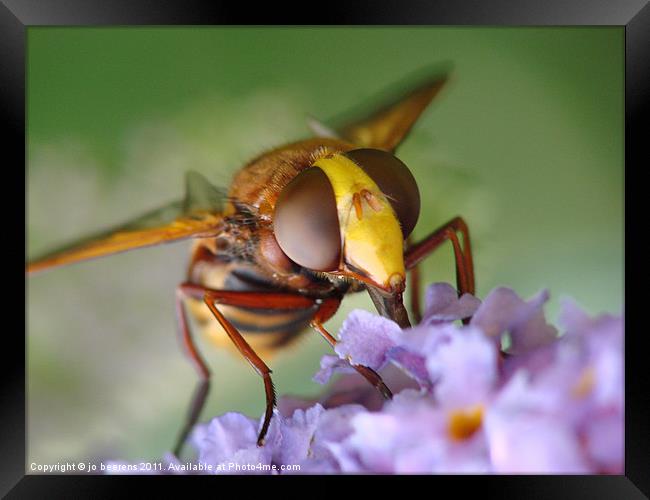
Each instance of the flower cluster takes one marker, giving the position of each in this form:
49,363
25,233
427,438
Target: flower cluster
504,392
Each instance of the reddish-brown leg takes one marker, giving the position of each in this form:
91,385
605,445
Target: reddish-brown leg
414,278
253,300
414,286
203,385
326,310
463,255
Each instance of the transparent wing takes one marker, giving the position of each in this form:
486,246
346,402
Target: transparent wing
385,121
198,215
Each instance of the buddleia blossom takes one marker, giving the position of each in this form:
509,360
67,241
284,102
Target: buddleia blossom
552,402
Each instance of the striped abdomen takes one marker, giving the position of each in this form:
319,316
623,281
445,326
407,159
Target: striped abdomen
263,329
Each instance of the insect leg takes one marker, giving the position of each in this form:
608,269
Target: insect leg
254,300
463,256
203,386
326,310
414,286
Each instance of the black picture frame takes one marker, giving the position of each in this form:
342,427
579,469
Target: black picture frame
631,15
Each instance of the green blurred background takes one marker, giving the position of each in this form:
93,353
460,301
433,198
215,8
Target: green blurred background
526,143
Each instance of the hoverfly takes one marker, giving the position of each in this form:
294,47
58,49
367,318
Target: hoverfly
300,227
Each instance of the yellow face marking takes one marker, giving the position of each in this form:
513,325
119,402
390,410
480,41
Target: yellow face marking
372,243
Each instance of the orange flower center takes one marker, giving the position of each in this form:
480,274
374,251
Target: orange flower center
585,383
464,423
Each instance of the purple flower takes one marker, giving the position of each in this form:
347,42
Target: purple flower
365,338
525,435
442,304
349,389
330,365
414,435
565,412
503,311
330,428
228,444
373,341
464,369
551,404
431,431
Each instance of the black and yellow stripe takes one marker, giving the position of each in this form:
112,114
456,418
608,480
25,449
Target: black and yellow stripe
264,329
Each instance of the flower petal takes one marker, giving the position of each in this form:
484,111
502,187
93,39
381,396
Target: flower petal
329,365
533,444
605,442
411,363
365,338
463,370
229,444
443,304
504,311
553,405
297,435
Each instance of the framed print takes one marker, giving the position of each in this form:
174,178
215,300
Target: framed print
436,208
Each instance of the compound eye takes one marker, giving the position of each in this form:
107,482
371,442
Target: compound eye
395,181
306,222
